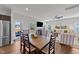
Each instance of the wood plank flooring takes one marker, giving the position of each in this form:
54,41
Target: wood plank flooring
60,49
64,49
11,49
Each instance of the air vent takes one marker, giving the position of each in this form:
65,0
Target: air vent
58,17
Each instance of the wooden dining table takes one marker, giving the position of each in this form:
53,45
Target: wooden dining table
40,41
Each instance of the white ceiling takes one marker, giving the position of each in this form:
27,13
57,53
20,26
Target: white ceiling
43,11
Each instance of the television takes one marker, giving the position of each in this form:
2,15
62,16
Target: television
39,24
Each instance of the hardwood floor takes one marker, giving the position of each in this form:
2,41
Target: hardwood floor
60,49
64,49
11,49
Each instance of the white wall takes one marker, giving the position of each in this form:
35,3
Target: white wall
69,22
25,23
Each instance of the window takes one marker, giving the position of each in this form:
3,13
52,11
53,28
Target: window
17,28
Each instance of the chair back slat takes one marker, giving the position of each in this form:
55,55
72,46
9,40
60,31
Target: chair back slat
25,40
52,43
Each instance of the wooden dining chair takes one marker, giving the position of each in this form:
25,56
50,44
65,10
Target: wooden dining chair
26,46
50,47
21,44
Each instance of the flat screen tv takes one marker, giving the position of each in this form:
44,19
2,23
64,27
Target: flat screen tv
39,24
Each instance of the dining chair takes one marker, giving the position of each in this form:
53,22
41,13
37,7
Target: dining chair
26,45
50,47
21,44
55,34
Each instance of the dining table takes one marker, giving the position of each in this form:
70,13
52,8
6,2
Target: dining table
40,41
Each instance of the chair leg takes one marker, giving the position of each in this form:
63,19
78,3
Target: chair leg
21,49
53,52
24,49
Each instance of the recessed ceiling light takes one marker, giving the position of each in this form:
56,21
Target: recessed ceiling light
49,20
27,9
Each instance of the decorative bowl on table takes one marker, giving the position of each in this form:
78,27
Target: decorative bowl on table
34,36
